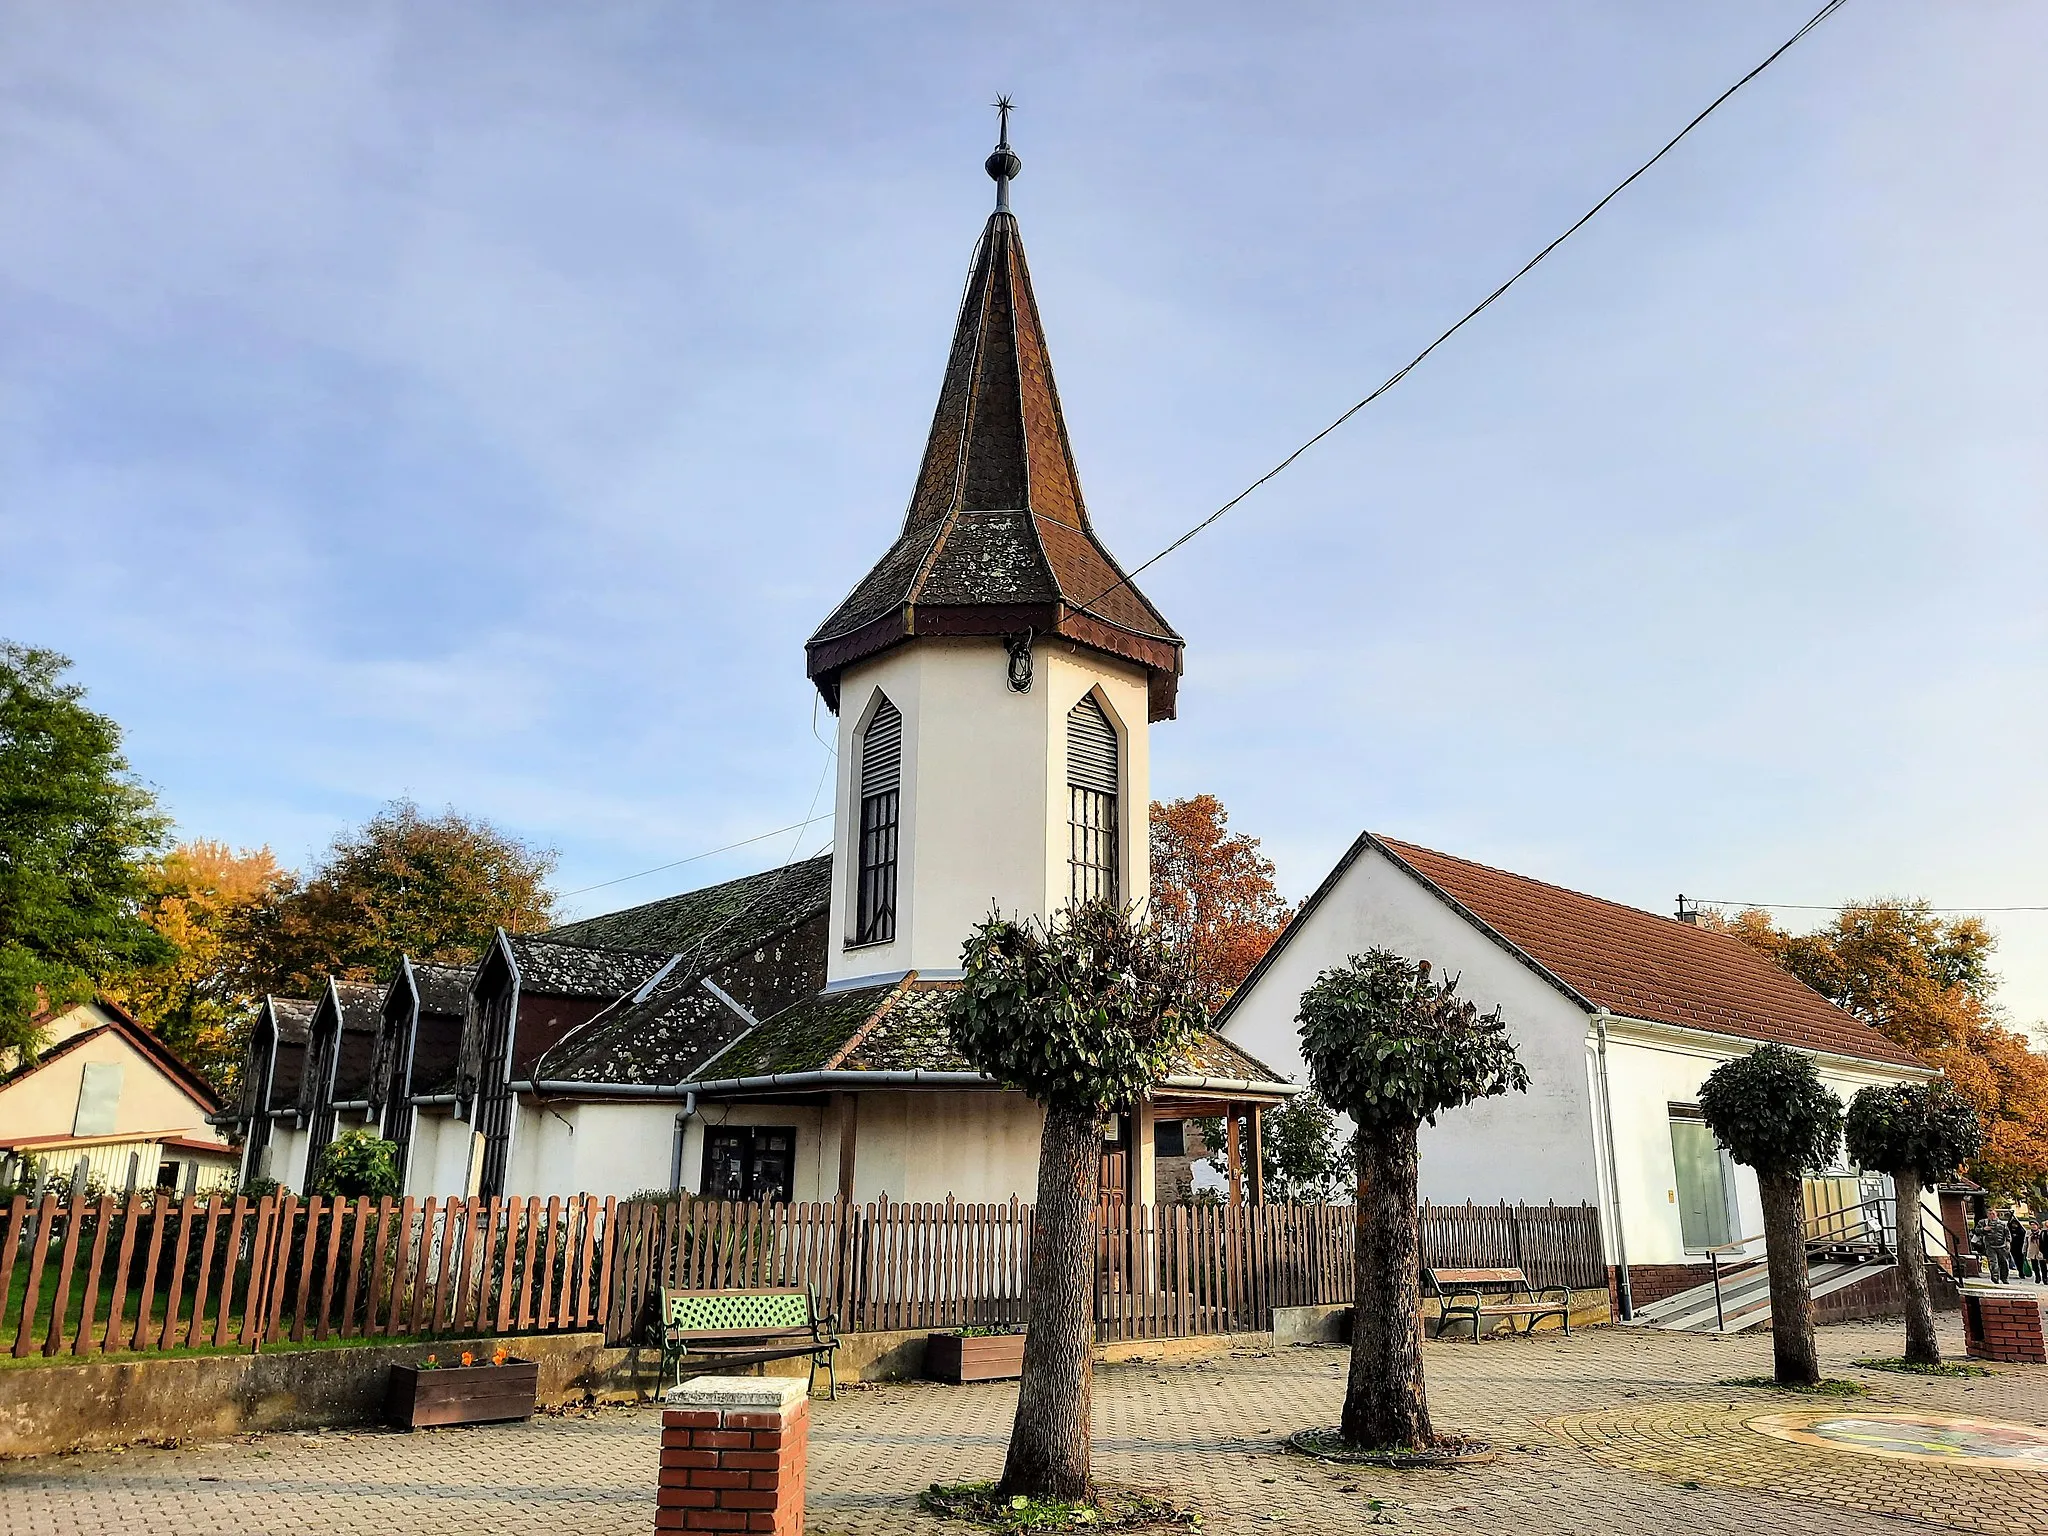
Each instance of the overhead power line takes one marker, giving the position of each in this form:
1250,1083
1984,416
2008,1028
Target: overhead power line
1818,906
758,837
1475,311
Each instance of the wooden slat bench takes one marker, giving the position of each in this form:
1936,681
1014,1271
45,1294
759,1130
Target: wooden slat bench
746,1328
1462,1296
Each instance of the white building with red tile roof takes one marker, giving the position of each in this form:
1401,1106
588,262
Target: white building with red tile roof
1618,1014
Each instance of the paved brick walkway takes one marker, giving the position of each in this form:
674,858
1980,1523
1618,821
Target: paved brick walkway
1606,1432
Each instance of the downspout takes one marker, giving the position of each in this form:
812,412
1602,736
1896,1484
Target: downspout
675,1157
1628,1301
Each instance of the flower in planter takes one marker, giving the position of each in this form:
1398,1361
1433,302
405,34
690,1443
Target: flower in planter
431,1363
501,1355
468,1358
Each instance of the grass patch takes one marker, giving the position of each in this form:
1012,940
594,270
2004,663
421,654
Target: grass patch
1827,1386
1915,1368
1114,1509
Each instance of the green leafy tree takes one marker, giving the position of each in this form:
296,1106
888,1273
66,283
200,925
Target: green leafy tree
356,1163
1083,1015
76,834
1772,1112
1392,1047
433,887
1301,1156
1920,1134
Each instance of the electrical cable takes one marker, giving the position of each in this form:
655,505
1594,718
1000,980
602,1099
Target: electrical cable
758,837
1863,906
1470,315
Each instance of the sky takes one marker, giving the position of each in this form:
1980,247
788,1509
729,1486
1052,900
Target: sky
482,403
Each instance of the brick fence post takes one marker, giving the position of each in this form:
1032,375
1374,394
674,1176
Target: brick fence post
732,1455
2004,1326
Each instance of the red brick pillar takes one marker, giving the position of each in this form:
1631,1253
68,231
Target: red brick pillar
732,1455
2004,1325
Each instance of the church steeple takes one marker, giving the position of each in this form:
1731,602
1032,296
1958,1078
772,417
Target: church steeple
997,540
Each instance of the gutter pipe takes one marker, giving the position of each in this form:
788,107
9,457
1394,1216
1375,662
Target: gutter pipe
812,1082
675,1158
1628,1300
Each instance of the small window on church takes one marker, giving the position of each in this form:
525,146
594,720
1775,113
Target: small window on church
1091,803
881,764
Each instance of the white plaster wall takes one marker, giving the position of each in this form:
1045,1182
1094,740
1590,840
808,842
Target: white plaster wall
1649,1070
286,1155
440,1159
1530,1147
983,821
975,1146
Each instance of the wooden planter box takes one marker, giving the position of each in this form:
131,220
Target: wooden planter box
991,1357
461,1394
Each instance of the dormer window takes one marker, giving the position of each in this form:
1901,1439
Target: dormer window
1091,803
881,770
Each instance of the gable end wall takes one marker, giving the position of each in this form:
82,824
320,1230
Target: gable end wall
1529,1147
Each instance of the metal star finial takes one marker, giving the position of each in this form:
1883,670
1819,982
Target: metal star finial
1003,165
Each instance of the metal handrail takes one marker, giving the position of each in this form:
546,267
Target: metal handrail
1838,1218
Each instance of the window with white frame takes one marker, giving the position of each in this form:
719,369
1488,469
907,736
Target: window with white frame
1091,803
881,770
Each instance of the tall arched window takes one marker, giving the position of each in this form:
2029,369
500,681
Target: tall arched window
1091,802
881,771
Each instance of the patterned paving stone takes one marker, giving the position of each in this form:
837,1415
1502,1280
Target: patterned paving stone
1608,1431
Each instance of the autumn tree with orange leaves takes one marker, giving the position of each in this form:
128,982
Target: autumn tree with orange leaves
1213,894
203,897
1925,982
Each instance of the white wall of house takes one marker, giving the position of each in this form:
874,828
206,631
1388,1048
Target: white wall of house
1652,1067
1532,1147
569,1147
285,1158
441,1156
983,820
975,1146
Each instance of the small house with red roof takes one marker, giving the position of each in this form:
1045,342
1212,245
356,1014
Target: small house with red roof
1618,1015
107,1094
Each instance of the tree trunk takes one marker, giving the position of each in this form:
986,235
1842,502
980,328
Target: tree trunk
1921,1348
1794,1356
1049,1440
1385,1405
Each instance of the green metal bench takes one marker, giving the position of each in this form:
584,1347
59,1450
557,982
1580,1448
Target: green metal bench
1462,1297
745,1328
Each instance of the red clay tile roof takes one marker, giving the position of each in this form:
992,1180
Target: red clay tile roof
1642,966
997,539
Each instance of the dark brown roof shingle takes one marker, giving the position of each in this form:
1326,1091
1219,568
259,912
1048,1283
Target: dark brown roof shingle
997,538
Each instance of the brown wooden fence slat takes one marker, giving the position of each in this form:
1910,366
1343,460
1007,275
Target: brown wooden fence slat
60,1303
83,1342
194,1331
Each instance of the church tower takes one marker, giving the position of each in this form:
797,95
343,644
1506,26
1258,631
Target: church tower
995,673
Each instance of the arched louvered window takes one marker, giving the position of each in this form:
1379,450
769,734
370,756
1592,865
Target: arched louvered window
881,774
1091,802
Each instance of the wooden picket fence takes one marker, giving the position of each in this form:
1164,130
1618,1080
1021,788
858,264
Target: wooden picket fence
1170,1271
154,1272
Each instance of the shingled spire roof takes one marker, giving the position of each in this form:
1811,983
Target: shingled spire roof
997,540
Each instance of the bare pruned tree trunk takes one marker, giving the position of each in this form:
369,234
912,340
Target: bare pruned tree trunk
1921,1347
1794,1356
1385,1404
1049,1441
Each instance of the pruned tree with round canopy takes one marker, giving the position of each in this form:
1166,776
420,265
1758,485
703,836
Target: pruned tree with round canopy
1920,1134
1083,1014
1390,1046
1773,1113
